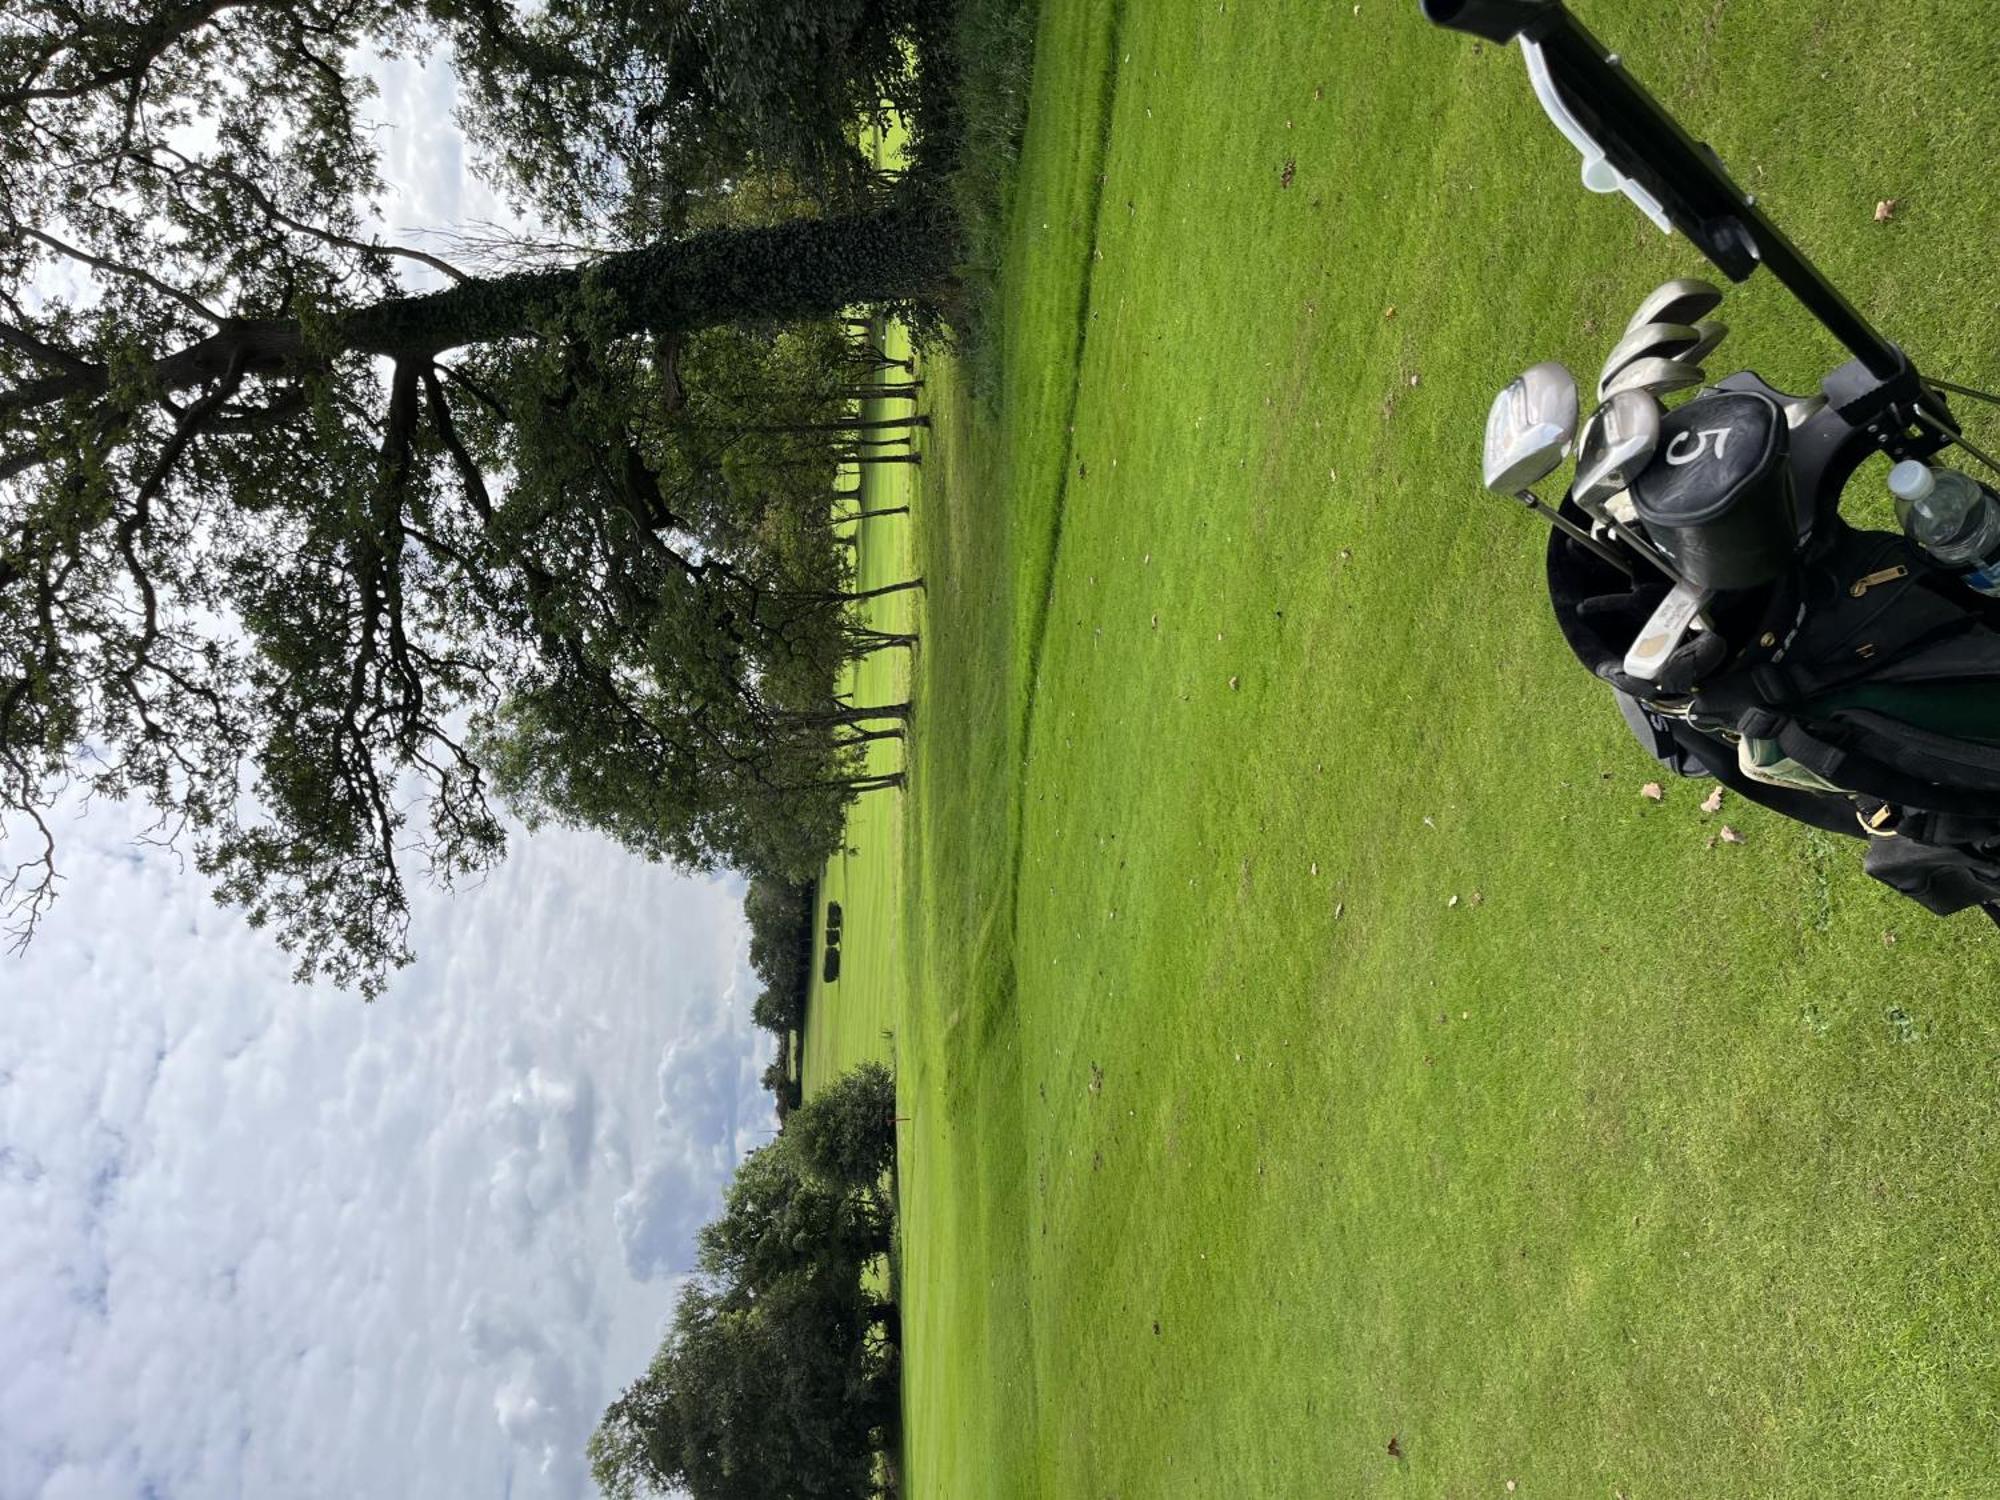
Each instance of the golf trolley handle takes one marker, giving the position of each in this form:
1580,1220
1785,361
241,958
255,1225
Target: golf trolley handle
1686,183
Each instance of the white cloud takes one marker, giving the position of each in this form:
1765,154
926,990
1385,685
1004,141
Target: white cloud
261,1240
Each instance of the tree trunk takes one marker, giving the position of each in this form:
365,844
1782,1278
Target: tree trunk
804,268
887,588
887,1319
869,515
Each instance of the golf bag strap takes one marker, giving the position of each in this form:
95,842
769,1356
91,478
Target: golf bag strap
1882,782
1817,810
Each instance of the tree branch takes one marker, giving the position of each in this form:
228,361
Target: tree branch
188,300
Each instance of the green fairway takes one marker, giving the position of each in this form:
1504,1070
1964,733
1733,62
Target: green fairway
1309,1035
850,1020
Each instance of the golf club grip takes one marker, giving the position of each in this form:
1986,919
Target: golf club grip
1496,20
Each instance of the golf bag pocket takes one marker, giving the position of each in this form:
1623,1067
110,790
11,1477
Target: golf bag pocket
1942,880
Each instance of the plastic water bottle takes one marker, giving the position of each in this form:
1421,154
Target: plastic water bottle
1952,517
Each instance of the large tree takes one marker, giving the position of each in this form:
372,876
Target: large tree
307,558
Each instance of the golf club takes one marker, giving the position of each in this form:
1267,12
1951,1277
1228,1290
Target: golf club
1648,341
1686,299
1658,376
1712,333
1528,434
1618,441
1663,634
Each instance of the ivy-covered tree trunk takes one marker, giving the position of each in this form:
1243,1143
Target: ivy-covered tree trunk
802,269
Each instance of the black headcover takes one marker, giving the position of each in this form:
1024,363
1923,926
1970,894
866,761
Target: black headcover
1717,497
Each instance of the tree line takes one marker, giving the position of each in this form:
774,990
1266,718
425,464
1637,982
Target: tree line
778,1373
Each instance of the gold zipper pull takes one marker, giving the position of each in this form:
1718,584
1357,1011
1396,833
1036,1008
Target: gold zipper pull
1861,586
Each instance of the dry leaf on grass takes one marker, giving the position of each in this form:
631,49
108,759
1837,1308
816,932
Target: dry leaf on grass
1395,1448
1713,802
1730,835
1652,791
1291,170
1885,210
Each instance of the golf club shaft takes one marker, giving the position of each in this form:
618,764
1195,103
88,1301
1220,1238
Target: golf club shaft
1574,532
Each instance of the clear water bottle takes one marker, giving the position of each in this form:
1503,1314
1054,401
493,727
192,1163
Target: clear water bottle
1951,517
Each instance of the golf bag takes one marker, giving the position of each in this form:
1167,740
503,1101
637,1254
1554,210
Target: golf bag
1875,715
1834,675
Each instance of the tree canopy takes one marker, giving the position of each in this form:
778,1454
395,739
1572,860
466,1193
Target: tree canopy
319,564
778,1375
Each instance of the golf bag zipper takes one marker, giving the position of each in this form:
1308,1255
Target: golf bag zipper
1861,586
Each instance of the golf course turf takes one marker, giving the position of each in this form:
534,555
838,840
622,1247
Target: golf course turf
1308,1034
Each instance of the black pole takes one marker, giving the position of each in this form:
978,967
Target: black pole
1648,145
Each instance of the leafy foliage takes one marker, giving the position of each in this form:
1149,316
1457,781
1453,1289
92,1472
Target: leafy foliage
846,1133
318,565
778,1374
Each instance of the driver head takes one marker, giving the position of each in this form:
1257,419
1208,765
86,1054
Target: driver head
1618,441
1529,429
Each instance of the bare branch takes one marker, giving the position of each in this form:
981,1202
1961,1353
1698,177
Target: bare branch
188,300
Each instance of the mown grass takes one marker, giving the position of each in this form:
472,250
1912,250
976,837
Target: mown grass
853,1019
1310,1036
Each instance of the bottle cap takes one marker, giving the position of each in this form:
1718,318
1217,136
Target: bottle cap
1910,480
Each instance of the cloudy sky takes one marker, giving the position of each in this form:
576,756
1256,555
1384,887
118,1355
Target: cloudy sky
257,1240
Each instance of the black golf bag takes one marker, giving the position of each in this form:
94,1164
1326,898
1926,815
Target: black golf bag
1857,691
1840,678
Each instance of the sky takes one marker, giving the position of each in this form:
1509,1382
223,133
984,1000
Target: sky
265,1240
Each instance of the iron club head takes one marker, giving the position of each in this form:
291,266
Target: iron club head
1648,341
1618,441
1530,428
1656,375
1687,299
1712,333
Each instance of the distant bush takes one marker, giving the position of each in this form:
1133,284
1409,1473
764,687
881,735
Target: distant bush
778,1079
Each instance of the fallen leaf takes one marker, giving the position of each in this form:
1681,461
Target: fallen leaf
1885,210
1389,314
1510,1486
1730,835
1713,802
1290,171
1395,1448
1476,899
1314,867
1232,684
1452,902
1888,940
1652,791
1414,380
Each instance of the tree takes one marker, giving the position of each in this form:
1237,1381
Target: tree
846,1133
763,1402
784,1088
781,1222
273,523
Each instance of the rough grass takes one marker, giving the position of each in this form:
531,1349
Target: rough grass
1238,1149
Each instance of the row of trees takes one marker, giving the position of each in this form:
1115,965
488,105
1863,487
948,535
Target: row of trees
325,568
778,1374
